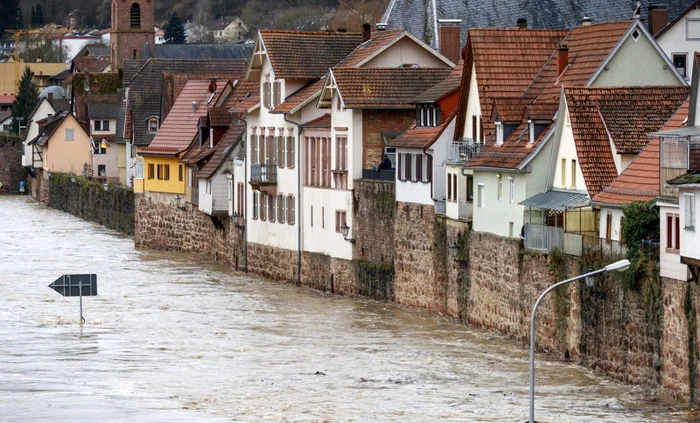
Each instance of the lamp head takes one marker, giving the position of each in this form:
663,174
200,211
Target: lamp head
345,229
618,265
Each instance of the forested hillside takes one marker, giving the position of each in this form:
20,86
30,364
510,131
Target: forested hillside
289,14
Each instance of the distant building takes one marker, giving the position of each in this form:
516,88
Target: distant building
226,29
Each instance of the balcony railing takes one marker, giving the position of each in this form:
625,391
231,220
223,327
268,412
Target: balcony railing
440,207
263,174
461,151
465,211
379,175
543,238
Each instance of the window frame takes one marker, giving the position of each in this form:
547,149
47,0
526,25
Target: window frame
70,131
689,211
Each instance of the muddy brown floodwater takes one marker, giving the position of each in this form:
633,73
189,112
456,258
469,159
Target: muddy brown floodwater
177,338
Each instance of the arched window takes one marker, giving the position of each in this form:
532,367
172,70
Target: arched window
135,16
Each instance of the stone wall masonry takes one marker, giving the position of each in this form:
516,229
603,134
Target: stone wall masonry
675,378
88,200
11,170
374,206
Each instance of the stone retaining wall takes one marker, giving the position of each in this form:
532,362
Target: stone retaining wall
11,170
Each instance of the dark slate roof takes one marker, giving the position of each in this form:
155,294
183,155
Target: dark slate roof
106,110
200,51
417,16
146,87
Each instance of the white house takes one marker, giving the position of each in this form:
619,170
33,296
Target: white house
215,182
103,128
31,155
680,38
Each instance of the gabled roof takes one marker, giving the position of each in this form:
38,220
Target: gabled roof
589,46
47,127
512,153
384,87
378,41
422,136
421,18
146,87
4,115
222,150
505,61
219,116
245,95
180,127
640,181
626,114
91,64
443,88
102,110
301,97
304,54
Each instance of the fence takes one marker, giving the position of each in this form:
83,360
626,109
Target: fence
461,152
440,207
264,174
465,210
379,175
543,238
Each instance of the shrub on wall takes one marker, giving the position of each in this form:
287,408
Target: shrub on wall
641,223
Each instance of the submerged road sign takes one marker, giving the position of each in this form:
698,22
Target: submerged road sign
76,286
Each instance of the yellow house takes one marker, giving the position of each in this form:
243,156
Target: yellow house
162,170
63,144
42,73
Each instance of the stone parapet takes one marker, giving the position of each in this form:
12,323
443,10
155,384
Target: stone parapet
11,170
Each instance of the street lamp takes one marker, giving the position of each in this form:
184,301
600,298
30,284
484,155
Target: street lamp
72,178
106,186
618,265
345,230
454,250
177,200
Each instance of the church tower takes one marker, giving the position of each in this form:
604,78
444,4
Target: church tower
132,28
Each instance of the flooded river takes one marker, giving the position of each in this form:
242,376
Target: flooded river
176,338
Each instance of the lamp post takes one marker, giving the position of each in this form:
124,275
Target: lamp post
345,230
619,266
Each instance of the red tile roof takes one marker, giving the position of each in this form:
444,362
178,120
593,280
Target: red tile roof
385,87
640,181
442,89
222,149
242,91
378,41
220,116
589,46
506,61
7,98
320,122
307,55
180,127
422,136
91,64
300,96
511,153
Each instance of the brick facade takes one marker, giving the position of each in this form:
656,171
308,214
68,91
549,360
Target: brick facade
127,42
376,121
11,170
374,205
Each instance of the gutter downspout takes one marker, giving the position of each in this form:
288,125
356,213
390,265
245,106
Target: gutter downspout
299,209
432,176
245,196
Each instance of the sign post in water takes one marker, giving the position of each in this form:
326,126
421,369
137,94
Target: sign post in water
76,286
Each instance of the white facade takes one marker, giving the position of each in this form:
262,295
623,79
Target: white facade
689,204
669,255
496,198
567,170
681,40
611,223
409,189
213,194
41,112
473,109
5,125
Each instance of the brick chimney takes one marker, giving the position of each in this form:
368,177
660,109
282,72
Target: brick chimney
366,32
657,16
450,38
562,57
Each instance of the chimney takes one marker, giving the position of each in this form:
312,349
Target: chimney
586,21
657,16
521,23
562,58
450,39
366,32
382,26
194,106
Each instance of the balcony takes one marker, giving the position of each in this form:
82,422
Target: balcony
680,153
441,207
465,210
263,174
379,175
461,151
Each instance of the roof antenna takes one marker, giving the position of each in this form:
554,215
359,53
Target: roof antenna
638,11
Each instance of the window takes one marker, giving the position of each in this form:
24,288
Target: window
253,149
150,171
311,216
180,171
153,125
512,189
692,29
280,147
689,211
340,219
680,62
454,187
290,209
673,233
159,172
263,206
563,173
500,187
189,177
70,134
207,186
531,131
256,205
318,159
230,190
573,174
135,16
97,148
341,162
475,125
470,189
101,170
323,217
499,133
277,90
167,174
482,196
239,199
449,187
272,210
281,208
608,226
267,94
97,125
429,116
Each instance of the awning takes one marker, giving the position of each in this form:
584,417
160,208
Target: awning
557,200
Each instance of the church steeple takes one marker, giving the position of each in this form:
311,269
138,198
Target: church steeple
132,30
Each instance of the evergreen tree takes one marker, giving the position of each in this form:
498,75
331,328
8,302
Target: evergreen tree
174,31
39,16
26,99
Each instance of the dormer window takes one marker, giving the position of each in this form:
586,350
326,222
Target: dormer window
153,124
499,133
531,131
428,116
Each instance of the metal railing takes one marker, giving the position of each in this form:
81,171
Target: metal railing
543,238
263,173
461,152
379,175
464,210
440,207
